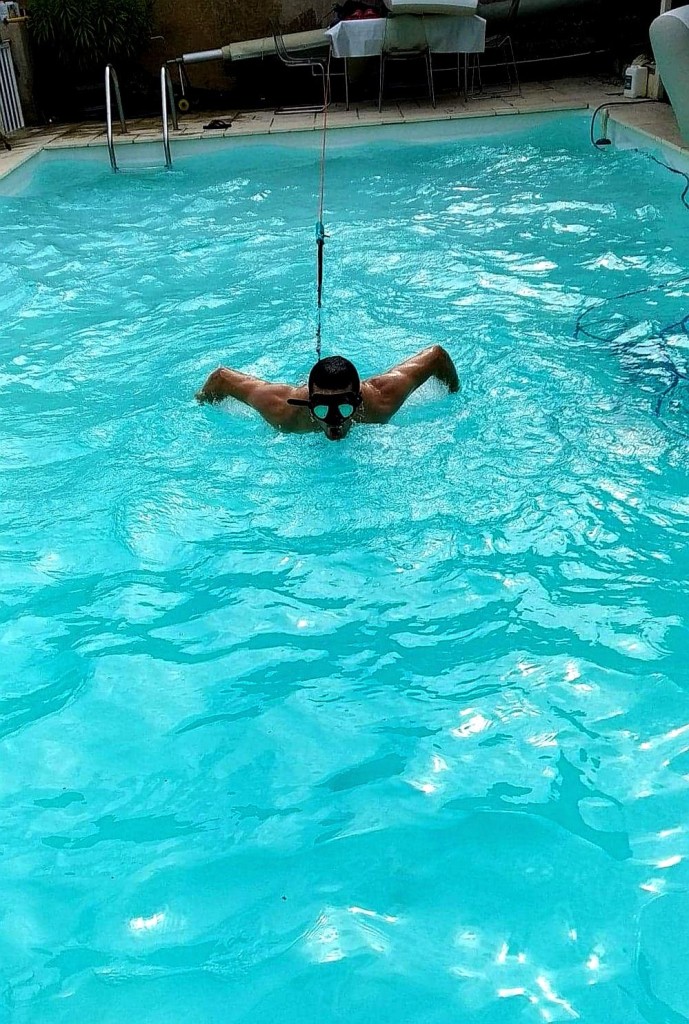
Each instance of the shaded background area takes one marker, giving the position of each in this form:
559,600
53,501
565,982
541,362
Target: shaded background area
614,31
576,37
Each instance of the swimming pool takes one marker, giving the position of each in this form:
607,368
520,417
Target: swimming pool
390,730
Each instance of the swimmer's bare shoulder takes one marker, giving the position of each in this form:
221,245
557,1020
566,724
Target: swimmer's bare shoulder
270,400
385,393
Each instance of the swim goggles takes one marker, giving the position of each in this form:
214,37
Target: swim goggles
332,409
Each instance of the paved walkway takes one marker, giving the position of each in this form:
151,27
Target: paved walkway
655,119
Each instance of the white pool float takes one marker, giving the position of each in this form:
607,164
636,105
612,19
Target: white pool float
453,7
670,41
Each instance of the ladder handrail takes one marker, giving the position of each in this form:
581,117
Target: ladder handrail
167,93
111,76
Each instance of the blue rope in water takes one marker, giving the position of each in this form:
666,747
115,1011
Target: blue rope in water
665,333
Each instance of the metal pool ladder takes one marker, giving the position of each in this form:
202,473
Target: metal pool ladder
111,81
167,96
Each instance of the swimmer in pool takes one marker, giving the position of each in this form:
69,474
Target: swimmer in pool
334,398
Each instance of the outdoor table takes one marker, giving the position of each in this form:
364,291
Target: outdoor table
442,33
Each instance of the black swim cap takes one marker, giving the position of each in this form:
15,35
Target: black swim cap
334,373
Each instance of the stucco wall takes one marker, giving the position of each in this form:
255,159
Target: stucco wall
206,24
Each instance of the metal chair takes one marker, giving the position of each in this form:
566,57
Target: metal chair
501,41
319,67
458,67
405,39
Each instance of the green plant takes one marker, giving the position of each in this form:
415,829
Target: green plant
81,36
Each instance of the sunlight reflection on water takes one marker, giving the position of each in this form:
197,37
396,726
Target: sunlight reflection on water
286,725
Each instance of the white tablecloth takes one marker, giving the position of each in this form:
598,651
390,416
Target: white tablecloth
443,33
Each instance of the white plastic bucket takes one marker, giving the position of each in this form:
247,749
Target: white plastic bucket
635,81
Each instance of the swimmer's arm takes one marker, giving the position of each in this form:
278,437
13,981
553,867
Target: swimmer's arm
391,389
224,383
270,400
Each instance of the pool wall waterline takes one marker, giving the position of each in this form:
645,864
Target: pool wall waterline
257,124
624,136
143,148
147,150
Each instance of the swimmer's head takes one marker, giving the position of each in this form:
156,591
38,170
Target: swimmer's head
334,395
334,373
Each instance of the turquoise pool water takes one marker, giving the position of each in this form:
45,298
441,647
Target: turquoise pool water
394,730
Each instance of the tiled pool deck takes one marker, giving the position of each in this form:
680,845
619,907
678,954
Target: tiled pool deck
653,119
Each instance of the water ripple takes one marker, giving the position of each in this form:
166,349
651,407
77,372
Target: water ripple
285,723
